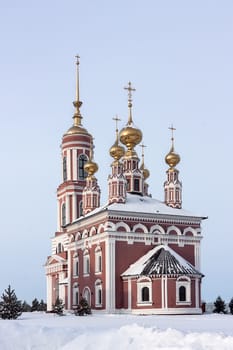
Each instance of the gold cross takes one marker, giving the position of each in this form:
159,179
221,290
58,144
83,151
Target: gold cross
143,146
172,130
130,89
116,120
77,62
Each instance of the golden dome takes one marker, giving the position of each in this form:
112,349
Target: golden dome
145,173
172,158
130,136
91,168
76,129
116,151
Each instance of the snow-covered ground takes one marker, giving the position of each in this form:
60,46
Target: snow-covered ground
109,332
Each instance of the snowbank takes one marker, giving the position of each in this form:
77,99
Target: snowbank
114,332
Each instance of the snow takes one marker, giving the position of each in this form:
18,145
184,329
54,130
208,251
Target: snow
114,332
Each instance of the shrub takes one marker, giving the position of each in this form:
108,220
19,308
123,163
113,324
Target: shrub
220,306
10,306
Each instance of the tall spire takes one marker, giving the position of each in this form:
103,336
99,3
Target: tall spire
130,89
172,158
173,186
77,103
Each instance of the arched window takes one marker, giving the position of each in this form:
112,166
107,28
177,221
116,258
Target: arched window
60,248
182,293
81,208
144,291
145,294
64,169
81,163
75,294
98,293
86,263
98,260
63,214
136,185
76,266
183,290
87,295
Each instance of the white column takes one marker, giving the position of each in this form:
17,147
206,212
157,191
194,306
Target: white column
74,209
58,216
162,291
110,275
68,164
49,293
165,290
67,209
197,255
75,159
129,294
197,292
69,280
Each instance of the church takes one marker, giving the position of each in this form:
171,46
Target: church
134,254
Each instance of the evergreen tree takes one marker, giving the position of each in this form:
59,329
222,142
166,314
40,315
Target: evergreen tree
26,307
10,306
35,305
58,307
83,308
220,306
42,306
231,306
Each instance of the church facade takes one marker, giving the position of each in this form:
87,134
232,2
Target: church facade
135,254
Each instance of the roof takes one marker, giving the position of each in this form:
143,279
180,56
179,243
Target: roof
161,260
143,204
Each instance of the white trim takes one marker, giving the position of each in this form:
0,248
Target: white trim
197,292
68,159
183,281
75,158
110,275
169,311
144,282
49,293
69,280
129,294
74,206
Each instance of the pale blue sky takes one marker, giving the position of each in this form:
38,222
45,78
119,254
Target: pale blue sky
178,55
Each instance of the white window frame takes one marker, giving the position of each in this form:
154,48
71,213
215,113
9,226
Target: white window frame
183,281
98,260
141,283
75,290
86,263
98,287
75,261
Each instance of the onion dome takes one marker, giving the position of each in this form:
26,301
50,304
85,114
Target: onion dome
116,151
77,127
91,167
172,158
130,136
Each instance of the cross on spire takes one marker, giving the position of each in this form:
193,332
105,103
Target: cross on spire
77,103
172,130
130,89
143,146
116,120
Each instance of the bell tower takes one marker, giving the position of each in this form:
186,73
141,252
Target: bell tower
131,136
173,187
75,153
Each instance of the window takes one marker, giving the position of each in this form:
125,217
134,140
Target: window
144,291
76,266
87,295
145,294
63,210
182,293
75,294
64,169
81,208
183,290
82,174
98,260
60,248
136,185
86,263
98,293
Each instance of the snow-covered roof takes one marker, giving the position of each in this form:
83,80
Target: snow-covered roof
161,260
144,204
